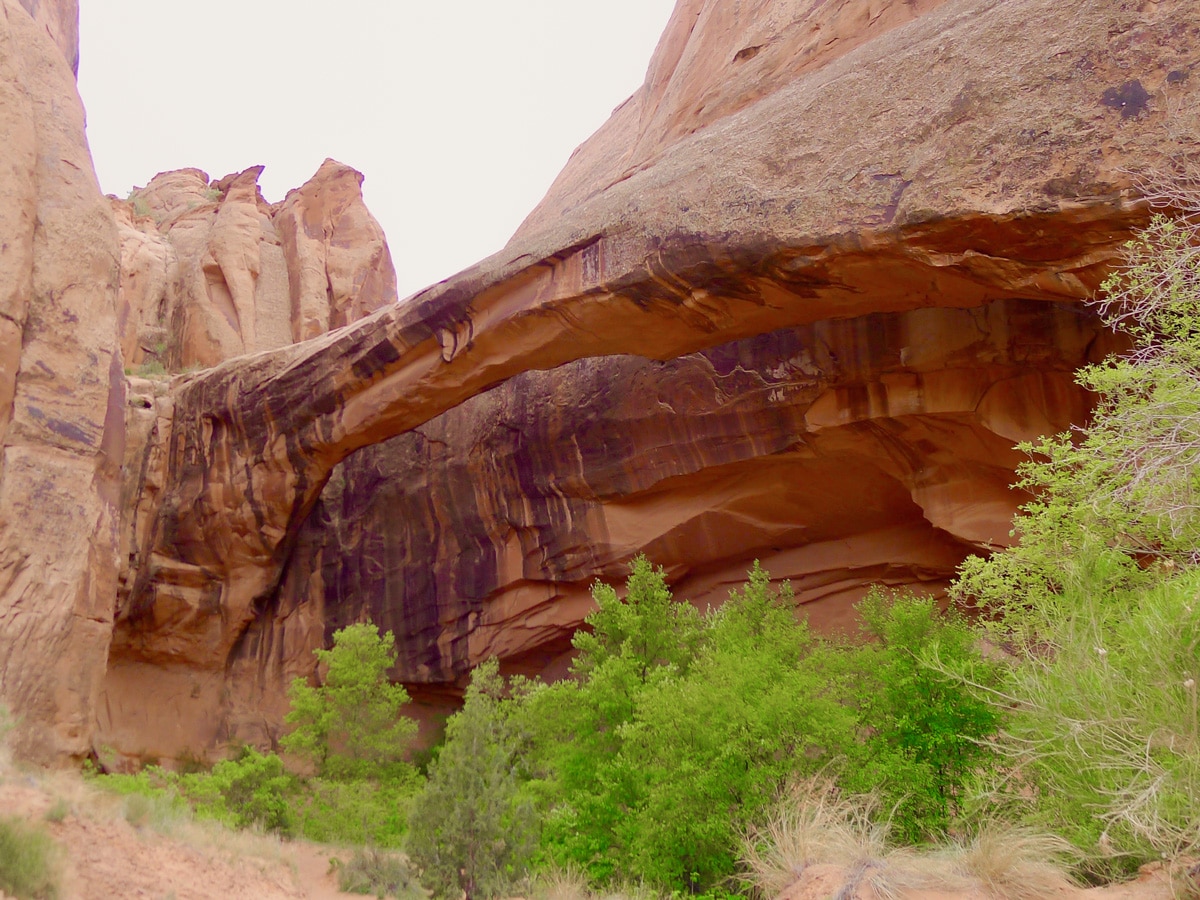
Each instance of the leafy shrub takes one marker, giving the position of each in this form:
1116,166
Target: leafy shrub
250,790
380,874
654,760
920,688
352,813
578,725
28,861
1122,491
350,726
1099,591
1106,730
709,748
471,825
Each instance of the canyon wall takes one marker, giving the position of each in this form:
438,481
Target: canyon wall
881,219
835,252
62,391
92,288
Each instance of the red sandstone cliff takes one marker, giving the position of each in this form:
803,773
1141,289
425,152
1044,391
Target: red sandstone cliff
853,234
62,391
210,270
892,211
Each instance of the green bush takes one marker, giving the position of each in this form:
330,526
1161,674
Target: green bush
28,861
350,726
1122,492
1098,595
352,813
587,785
472,827
921,686
380,874
251,790
709,748
653,762
1106,731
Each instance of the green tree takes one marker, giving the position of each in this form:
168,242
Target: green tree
920,687
629,643
252,789
350,725
471,830
644,627
712,746
1100,589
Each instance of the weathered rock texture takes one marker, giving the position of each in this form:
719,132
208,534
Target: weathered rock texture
909,200
210,270
847,452
62,393
60,20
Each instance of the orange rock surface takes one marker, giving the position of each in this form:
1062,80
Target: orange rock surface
60,20
882,222
837,251
62,395
210,270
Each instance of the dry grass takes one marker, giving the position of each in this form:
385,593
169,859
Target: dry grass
560,884
570,884
818,824
1015,863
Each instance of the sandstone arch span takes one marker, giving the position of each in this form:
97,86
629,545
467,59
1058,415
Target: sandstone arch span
881,181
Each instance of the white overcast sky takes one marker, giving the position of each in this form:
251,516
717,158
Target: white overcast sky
458,113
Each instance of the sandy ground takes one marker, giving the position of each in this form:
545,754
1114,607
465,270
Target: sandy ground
106,858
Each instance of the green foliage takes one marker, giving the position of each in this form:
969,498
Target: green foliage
58,811
920,690
350,726
1106,731
643,628
28,861
757,706
352,813
654,761
1100,590
632,642
151,368
380,874
472,828
1124,490
251,790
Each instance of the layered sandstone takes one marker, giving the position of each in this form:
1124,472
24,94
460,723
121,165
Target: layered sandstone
840,454
907,202
211,271
62,392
